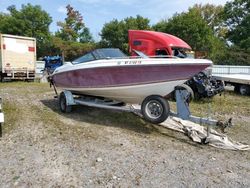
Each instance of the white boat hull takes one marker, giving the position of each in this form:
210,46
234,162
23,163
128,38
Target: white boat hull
130,94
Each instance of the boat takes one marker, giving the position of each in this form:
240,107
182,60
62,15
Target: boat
109,73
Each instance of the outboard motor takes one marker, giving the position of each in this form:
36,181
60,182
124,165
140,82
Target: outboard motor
204,85
52,62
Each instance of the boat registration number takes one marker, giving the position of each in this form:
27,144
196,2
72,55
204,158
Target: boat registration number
129,62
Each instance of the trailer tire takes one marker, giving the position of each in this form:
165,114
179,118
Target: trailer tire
155,109
64,107
244,89
190,92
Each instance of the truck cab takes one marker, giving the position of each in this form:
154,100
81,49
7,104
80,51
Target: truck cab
157,44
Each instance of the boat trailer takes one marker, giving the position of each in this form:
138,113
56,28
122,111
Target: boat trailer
67,100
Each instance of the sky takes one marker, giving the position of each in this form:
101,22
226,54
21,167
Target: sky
98,12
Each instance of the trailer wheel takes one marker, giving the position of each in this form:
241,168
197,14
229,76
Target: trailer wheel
155,109
190,91
63,104
244,90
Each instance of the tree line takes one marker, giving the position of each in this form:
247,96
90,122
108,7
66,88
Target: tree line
223,32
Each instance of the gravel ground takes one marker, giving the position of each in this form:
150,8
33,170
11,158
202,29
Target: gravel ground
41,147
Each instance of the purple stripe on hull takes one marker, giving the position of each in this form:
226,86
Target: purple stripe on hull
125,75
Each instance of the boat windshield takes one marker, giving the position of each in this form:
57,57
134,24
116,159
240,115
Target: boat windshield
107,53
86,58
104,53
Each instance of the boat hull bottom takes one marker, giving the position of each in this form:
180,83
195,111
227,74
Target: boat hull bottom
134,94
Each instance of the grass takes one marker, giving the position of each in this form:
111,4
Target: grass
228,104
25,87
20,84
11,115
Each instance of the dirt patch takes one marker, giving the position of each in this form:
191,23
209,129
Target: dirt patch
41,147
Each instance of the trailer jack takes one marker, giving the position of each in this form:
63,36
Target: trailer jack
182,103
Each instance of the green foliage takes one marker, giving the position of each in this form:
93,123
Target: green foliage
70,50
190,27
115,33
218,50
85,35
237,19
213,15
73,39
30,21
73,29
236,56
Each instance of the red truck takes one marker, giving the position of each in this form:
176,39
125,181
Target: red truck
153,43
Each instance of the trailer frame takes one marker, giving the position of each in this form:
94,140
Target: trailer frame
182,104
